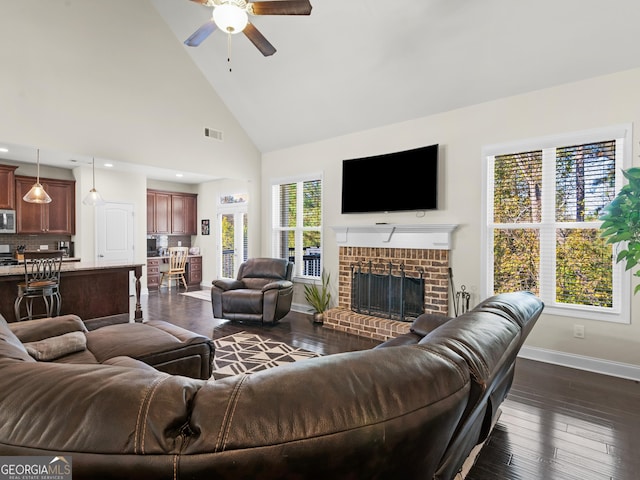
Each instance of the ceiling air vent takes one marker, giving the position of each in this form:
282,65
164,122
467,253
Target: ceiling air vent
210,132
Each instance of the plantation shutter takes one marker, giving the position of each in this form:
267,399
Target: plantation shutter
543,201
285,219
584,182
584,179
297,224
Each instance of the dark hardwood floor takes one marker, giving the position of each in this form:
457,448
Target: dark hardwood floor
556,424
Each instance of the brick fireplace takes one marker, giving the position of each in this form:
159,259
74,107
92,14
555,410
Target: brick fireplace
420,249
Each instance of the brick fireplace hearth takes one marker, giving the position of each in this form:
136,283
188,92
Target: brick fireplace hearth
417,248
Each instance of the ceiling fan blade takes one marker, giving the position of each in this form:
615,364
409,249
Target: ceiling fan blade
201,34
280,7
258,40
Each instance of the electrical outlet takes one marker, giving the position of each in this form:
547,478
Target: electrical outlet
578,331
44,247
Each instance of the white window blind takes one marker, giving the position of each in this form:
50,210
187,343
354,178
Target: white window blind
542,232
297,224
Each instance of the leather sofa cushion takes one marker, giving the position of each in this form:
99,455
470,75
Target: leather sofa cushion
41,328
81,357
55,347
521,308
427,322
243,300
486,341
408,338
128,362
421,326
11,347
129,339
329,414
274,268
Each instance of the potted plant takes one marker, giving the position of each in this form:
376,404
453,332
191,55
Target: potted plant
621,221
319,298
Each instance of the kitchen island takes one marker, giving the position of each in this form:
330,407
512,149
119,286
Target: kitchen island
89,289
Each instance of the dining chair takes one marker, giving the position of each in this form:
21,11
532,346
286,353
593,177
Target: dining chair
177,266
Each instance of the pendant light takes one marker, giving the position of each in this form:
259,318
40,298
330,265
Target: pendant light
37,193
93,198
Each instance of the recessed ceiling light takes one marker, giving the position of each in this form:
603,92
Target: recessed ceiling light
108,165
4,149
179,175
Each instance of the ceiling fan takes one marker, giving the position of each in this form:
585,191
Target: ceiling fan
232,16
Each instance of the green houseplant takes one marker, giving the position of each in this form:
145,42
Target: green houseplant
621,221
319,298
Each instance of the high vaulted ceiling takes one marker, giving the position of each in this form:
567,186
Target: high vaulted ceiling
359,64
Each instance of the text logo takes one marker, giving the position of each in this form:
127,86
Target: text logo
35,468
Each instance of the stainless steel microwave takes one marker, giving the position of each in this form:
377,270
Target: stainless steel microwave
7,221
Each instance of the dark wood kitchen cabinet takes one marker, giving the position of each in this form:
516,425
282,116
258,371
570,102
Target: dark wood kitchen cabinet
184,214
158,212
57,217
7,187
153,273
194,270
172,213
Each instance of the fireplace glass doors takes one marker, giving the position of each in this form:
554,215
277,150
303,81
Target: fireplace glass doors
378,291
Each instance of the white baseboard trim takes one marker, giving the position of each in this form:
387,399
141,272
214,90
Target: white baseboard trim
580,362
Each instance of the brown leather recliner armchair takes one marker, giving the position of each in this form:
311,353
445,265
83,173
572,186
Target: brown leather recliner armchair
262,292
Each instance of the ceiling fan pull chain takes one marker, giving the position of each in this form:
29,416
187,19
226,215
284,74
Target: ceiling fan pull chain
229,50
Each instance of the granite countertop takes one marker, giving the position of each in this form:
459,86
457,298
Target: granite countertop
71,266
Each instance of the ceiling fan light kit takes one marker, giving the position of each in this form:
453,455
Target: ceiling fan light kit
232,16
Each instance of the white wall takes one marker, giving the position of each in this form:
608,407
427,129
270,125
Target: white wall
109,80
462,133
208,196
113,187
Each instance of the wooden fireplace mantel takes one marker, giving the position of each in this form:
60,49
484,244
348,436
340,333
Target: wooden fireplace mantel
387,235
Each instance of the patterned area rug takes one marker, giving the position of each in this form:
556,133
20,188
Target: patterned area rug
248,353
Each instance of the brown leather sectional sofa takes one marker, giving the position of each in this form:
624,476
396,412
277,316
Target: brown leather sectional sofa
409,409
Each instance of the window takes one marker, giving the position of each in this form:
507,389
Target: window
297,225
543,202
232,233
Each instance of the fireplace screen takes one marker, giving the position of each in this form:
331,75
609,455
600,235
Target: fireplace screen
379,292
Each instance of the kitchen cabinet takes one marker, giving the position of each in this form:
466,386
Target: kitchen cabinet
158,212
191,222
184,214
57,217
172,213
194,271
153,273
7,187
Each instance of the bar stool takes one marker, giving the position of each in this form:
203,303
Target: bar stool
41,280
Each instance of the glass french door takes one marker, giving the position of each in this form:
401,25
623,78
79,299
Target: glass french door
233,242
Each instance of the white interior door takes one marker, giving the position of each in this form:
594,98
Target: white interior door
115,239
114,236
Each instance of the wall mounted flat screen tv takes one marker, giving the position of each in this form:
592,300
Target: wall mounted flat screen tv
392,182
